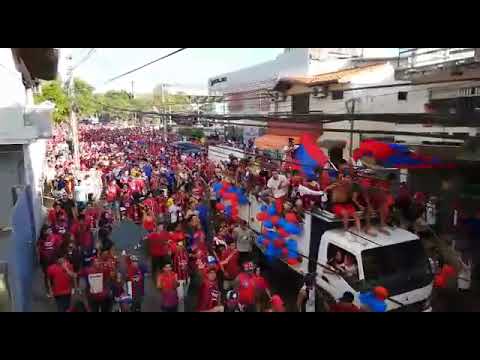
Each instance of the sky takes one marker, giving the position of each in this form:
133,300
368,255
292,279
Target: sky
187,70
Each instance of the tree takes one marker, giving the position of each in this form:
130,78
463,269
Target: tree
54,92
84,99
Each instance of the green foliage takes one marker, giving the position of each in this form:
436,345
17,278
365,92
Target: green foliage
191,133
54,92
84,99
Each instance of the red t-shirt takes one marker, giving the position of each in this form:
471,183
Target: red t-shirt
261,284
105,288
344,307
151,204
149,223
209,295
246,289
168,284
91,217
180,263
61,281
53,216
158,243
112,193
231,268
49,246
82,234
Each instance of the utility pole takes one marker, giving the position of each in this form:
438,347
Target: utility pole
73,118
165,138
132,95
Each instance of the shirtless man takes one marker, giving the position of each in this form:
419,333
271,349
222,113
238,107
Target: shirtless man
342,201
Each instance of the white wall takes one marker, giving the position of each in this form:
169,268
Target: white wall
34,159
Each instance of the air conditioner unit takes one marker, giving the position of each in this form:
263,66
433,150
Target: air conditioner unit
319,93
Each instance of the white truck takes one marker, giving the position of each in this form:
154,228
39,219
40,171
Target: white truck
221,153
396,261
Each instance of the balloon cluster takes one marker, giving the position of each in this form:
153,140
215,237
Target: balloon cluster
448,272
276,230
375,300
231,197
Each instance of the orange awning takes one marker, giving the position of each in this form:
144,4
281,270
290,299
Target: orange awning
274,142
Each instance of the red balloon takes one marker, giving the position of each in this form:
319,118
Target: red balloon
234,201
291,217
235,217
222,192
262,216
448,271
274,219
279,243
283,232
279,205
284,252
234,211
266,242
220,206
440,282
292,261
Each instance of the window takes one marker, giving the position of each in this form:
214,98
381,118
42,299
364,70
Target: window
344,262
337,95
301,104
402,95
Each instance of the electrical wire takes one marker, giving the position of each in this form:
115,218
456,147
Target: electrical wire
85,58
145,65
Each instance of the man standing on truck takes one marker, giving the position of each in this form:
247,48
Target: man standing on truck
341,196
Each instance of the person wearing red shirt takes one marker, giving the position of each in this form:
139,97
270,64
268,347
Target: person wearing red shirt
82,233
209,299
167,283
180,267
98,287
112,194
229,261
55,214
60,280
245,287
157,244
135,213
344,304
261,284
136,275
149,221
92,215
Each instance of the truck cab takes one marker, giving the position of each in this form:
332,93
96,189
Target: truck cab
396,261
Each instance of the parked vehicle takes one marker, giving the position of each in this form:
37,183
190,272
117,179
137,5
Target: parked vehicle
396,261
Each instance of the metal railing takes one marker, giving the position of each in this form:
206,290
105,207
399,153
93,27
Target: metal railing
421,57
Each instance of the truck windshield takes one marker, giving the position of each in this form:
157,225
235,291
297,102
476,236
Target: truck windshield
400,268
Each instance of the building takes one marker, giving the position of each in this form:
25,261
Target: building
24,129
381,87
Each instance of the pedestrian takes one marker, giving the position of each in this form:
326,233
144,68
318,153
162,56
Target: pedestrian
167,283
344,304
61,281
244,285
180,266
158,249
306,298
209,294
98,287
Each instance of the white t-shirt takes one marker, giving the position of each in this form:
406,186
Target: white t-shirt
173,210
279,187
310,302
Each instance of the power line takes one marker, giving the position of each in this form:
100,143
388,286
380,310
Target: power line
147,64
85,58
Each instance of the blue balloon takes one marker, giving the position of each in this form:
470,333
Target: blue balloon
292,229
271,210
372,302
228,210
273,235
282,223
217,186
291,244
242,199
260,239
263,208
268,224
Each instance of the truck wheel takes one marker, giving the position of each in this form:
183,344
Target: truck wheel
322,297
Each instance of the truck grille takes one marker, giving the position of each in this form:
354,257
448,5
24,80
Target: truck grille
415,307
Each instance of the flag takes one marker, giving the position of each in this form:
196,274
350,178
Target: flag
396,156
309,156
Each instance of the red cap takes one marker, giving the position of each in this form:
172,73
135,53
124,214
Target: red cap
380,292
277,303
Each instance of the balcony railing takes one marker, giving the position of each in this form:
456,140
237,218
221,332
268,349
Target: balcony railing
422,57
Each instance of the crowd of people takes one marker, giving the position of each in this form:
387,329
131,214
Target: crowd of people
199,259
